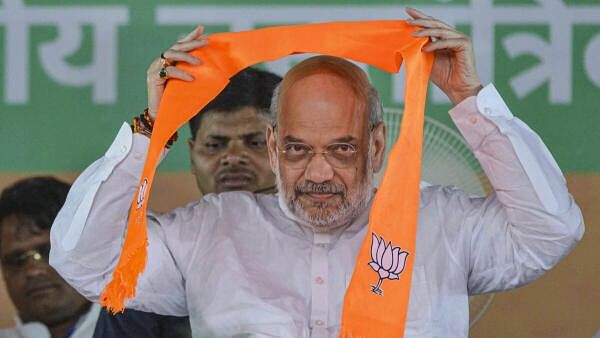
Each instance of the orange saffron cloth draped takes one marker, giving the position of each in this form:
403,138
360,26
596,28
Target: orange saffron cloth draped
383,44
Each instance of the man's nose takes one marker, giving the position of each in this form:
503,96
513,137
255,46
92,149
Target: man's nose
318,170
36,268
235,154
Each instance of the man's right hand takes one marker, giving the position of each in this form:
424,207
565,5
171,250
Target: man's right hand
454,66
179,52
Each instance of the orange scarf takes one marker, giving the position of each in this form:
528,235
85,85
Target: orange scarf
376,302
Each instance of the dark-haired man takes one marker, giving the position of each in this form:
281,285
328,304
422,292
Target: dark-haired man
228,152
46,304
228,146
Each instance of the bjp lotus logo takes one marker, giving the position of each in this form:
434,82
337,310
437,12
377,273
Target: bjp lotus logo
387,261
142,193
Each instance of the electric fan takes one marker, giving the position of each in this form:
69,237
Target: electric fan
447,160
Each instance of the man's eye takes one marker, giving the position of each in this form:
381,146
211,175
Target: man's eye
214,146
296,148
342,148
14,260
256,143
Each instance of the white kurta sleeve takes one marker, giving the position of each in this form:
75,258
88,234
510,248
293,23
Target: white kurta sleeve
531,221
88,232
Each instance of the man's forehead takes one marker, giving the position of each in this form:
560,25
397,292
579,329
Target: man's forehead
241,122
16,230
323,84
321,100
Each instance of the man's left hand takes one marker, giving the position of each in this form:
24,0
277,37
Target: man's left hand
454,67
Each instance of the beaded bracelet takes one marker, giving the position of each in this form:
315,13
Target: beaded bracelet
144,123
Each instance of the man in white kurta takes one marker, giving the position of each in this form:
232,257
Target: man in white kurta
254,265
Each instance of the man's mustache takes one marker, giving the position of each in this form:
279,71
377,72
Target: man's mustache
308,187
235,170
40,283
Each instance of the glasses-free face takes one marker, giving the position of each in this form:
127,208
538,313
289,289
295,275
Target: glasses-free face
229,152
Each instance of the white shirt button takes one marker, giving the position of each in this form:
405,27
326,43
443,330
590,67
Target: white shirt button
319,322
123,149
488,111
319,280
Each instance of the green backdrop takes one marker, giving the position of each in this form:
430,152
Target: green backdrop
73,71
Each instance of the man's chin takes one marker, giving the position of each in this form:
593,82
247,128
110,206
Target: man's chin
320,203
236,187
46,310
55,310
321,213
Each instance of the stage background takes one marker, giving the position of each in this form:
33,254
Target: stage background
73,71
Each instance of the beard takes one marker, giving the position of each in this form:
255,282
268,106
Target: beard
339,210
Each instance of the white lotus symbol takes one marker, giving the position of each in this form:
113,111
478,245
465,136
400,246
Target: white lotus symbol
386,260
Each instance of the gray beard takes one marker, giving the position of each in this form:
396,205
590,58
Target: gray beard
322,221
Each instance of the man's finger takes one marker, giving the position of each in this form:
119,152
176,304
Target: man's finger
438,33
177,56
416,14
429,23
161,75
173,72
189,45
193,34
452,44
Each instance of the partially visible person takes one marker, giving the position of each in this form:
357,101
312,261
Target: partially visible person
228,148
47,306
228,152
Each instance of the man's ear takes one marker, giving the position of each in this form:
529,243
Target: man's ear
271,147
378,146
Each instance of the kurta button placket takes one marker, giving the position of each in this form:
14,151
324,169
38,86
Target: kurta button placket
319,287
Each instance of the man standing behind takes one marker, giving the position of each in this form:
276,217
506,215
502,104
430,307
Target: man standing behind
228,152
47,305
228,146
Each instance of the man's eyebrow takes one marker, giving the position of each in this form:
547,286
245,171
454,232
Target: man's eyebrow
12,253
292,139
253,134
345,139
218,137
